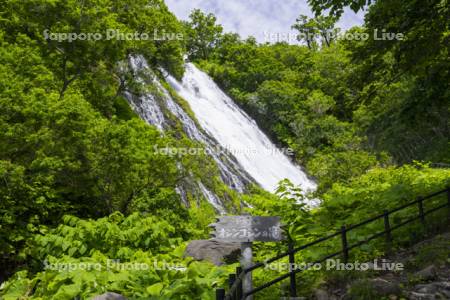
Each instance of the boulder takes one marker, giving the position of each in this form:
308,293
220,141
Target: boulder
384,287
214,251
109,296
429,273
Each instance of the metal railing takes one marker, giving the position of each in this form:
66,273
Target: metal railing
236,292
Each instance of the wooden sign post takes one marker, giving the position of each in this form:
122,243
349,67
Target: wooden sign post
245,230
246,262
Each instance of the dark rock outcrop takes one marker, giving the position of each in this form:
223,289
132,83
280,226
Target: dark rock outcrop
429,273
384,287
214,251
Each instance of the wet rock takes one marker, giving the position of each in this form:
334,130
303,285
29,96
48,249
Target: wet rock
214,251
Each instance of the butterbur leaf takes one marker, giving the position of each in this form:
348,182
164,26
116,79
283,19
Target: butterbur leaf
72,251
68,291
155,289
82,249
179,251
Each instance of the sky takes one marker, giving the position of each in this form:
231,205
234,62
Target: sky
266,20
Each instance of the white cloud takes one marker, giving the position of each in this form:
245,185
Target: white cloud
255,17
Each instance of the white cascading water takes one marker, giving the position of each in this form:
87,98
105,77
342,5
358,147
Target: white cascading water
231,172
145,105
235,131
150,108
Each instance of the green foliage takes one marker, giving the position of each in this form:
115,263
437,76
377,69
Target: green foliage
139,256
289,202
380,189
89,63
336,7
115,236
403,84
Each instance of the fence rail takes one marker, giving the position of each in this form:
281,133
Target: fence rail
235,280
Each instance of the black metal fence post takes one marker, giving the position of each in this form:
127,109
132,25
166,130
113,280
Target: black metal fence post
344,243
220,294
448,202
231,280
421,212
239,287
293,287
387,228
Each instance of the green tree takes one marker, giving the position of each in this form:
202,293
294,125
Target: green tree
326,29
94,60
307,30
203,34
311,28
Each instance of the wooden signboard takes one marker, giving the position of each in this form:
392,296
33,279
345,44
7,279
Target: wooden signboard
247,229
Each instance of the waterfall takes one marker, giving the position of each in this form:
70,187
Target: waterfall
235,131
230,171
151,105
213,199
146,104
241,151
